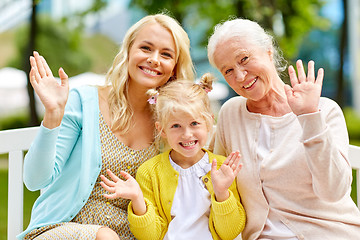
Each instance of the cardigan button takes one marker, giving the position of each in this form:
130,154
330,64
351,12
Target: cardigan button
206,180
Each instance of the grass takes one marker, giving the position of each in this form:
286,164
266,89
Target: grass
29,198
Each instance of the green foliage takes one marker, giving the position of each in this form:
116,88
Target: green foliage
17,120
29,198
287,20
353,122
60,45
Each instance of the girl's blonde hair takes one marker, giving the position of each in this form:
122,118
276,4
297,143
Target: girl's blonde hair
117,76
183,96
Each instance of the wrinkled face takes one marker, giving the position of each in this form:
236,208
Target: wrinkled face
247,68
152,57
187,136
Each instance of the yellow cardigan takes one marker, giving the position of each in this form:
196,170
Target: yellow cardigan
158,181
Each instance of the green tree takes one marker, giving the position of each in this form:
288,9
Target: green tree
288,20
61,46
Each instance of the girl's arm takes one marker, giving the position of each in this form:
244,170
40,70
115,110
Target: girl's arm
226,207
225,176
128,189
153,224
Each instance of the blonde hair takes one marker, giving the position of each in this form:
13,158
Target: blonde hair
183,96
117,76
249,30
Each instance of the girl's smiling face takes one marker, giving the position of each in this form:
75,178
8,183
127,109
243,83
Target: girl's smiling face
186,135
152,57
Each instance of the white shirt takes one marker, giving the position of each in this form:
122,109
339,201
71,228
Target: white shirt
274,229
191,205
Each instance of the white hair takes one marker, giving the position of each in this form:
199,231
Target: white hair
252,32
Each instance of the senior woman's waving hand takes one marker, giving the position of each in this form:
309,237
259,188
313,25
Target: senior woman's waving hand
305,93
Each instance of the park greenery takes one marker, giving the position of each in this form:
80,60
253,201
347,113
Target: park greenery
62,41
287,20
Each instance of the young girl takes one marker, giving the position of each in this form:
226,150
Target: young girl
92,129
186,192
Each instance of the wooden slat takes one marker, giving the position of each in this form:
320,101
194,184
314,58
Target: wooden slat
15,194
14,142
17,139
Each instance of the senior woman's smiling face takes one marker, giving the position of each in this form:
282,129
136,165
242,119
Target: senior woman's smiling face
247,68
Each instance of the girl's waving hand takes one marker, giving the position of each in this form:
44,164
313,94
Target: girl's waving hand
224,177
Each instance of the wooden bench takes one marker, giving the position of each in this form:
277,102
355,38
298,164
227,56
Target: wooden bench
16,142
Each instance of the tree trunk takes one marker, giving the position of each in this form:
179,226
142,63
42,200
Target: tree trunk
343,40
34,120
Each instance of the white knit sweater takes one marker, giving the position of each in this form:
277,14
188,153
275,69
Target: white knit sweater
306,177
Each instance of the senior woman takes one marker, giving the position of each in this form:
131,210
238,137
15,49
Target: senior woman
296,178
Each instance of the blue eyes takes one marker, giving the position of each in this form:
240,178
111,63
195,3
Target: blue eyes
164,54
193,124
145,48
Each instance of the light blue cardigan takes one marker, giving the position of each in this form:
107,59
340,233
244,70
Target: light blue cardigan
65,162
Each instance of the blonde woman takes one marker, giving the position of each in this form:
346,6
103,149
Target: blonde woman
92,129
186,192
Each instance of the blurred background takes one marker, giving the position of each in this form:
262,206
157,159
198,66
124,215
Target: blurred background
83,37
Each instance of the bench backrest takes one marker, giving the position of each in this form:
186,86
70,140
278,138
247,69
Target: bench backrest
15,142
354,157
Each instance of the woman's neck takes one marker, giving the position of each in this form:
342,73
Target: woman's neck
138,99
274,103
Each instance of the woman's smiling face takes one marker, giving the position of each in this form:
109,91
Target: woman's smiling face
247,68
152,56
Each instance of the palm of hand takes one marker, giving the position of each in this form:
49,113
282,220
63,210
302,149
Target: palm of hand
51,93
128,189
305,93
125,189
222,178
305,98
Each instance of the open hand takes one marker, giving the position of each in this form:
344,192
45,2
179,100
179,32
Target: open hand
224,177
304,95
52,94
128,189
